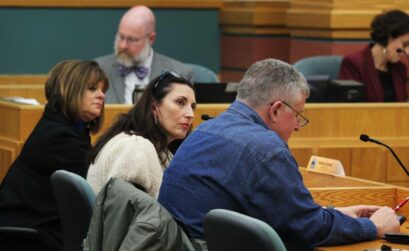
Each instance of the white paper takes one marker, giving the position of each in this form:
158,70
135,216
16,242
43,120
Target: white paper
28,101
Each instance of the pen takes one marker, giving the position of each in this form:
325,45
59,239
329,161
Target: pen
401,204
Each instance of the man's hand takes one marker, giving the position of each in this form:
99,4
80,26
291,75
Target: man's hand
384,218
358,211
386,221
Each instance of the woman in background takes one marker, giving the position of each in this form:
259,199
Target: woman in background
60,140
135,147
378,65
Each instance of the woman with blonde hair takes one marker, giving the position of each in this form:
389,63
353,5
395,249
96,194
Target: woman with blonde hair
75,92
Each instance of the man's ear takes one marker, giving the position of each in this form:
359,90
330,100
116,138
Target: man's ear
152,37
274,110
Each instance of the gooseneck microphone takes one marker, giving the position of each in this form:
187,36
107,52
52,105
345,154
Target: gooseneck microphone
206,117
402,51
366,138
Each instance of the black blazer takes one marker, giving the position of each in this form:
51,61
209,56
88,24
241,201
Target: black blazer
26,196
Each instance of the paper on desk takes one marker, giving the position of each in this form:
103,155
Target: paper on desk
28,101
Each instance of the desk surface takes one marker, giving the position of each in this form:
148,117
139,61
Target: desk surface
376,244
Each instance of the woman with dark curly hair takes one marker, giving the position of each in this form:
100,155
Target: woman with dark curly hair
378,65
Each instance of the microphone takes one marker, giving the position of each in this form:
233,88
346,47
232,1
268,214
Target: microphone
366,138
137,93
206,117
402,51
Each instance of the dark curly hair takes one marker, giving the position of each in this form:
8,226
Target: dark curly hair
391,24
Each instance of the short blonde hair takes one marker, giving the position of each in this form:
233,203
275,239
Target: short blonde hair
66,85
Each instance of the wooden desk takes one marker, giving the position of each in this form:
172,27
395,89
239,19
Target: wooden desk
19,120
368,244
348,191
22,90
333,132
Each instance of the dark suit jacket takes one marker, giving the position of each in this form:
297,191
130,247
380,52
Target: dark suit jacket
26,196
360,66
115,93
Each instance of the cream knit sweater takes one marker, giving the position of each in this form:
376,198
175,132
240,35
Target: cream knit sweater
128,157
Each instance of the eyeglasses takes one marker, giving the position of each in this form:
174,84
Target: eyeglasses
131,41
164,75
301,120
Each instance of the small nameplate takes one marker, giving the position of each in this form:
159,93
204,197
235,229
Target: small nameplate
325,165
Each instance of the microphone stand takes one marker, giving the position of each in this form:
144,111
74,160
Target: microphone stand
391,150
206,117
396,157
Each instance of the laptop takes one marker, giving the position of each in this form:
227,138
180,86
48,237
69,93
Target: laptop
318,88
218,92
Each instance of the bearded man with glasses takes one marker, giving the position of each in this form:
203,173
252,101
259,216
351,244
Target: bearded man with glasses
240,161
134,62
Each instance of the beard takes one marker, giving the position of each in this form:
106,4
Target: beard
128,60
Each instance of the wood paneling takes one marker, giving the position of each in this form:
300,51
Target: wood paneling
350,120
35,91
23,79
241,52
335,19
338,191
7,155
254,13
314,179
395,172
333,132
347,196
347,191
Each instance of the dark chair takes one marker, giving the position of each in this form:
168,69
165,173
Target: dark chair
19,234
75,199
320,65
226,230
202,74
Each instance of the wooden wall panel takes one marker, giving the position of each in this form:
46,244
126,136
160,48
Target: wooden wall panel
314,179
22,90
395,172
350,120
22,79
333,132
335,19
348,196
369,162
302,155
7,155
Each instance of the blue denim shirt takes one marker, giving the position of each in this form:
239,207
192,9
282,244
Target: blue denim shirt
236,162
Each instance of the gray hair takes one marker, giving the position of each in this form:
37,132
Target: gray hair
271,80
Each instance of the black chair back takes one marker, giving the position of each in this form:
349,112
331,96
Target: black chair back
231,231
75,199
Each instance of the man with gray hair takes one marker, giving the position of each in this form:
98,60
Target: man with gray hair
134,62
240,161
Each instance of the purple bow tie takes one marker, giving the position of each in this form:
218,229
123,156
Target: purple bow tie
140,71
